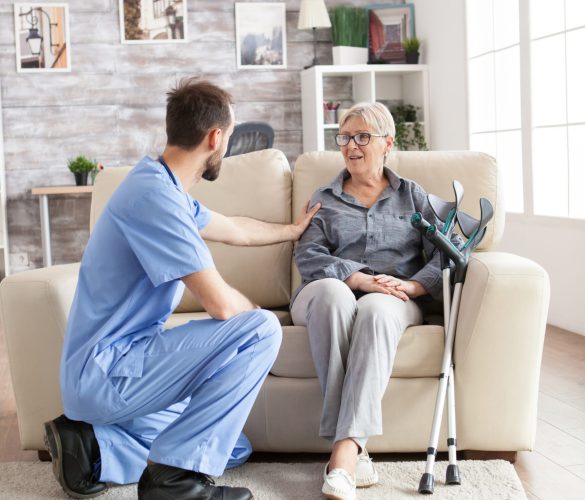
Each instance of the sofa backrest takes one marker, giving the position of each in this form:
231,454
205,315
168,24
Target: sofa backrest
433,170
257,185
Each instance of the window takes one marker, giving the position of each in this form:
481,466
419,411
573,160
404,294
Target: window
159,7
526,104
493,50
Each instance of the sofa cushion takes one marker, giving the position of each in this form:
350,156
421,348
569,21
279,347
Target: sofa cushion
178,319
257,185
419,354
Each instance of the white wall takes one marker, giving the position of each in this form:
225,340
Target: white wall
558,245
441,28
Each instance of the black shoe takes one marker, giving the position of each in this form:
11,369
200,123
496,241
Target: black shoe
159,481
75,454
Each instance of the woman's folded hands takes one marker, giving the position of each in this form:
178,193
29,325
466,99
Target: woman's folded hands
384,283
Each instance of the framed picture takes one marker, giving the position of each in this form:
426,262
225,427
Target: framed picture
153,21
260,35
42,37
389,26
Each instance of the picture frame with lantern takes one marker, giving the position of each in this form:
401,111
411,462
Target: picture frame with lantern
42,37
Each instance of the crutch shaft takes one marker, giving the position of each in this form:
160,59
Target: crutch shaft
451,436
443,379
446,298
452,475
451,441
449,341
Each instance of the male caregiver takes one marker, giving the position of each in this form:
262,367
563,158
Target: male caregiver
164,408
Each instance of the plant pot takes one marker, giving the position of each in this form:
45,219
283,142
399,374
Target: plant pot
412,57
80,178
343,55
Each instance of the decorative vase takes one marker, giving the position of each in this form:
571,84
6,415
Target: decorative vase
80,178
343,55
412,57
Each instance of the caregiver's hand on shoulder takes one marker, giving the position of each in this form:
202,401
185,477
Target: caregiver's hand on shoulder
305,219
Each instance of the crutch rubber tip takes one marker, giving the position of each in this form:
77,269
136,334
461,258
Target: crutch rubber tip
453,474
427,484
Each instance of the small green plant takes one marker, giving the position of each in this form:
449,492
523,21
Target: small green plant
349,26
411,45
81,164
409,132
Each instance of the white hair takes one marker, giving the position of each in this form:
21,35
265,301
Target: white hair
375,115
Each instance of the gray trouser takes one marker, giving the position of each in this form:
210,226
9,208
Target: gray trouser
353,343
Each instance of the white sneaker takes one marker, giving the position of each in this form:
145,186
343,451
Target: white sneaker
338,484
365,472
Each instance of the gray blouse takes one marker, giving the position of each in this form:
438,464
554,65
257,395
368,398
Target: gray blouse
345,236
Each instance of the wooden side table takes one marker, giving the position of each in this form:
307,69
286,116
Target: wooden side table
44,192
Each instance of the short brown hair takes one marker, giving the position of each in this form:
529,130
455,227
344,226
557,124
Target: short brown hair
195,107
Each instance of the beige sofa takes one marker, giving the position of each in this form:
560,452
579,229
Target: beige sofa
499,337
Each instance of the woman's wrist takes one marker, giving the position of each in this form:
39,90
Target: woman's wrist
417,289
353,281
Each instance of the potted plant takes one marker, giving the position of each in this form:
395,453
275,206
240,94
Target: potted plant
81,167
411,46
409,131
349,34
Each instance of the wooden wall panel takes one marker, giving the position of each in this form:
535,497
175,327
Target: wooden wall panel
21,181
93,27
7,24
32,122
111,106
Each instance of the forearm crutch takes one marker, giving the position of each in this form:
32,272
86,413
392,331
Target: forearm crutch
447,213
446,378
446,385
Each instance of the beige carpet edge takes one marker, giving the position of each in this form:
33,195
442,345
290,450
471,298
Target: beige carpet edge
296,481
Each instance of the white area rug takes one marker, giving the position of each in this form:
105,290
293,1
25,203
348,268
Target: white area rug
489,480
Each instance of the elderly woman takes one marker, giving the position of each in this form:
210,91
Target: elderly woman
361,264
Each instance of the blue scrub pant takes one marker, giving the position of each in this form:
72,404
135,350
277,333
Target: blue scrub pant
198,385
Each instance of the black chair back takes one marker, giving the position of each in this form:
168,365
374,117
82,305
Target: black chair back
250,136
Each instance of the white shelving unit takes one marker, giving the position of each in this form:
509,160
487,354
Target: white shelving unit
408,83
4,259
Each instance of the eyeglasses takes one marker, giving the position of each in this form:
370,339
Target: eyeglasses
361,139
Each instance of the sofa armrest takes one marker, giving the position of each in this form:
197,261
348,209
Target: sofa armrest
34,306
498,350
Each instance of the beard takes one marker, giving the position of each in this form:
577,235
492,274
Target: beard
212,167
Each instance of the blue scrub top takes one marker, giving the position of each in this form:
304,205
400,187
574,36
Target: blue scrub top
146,239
